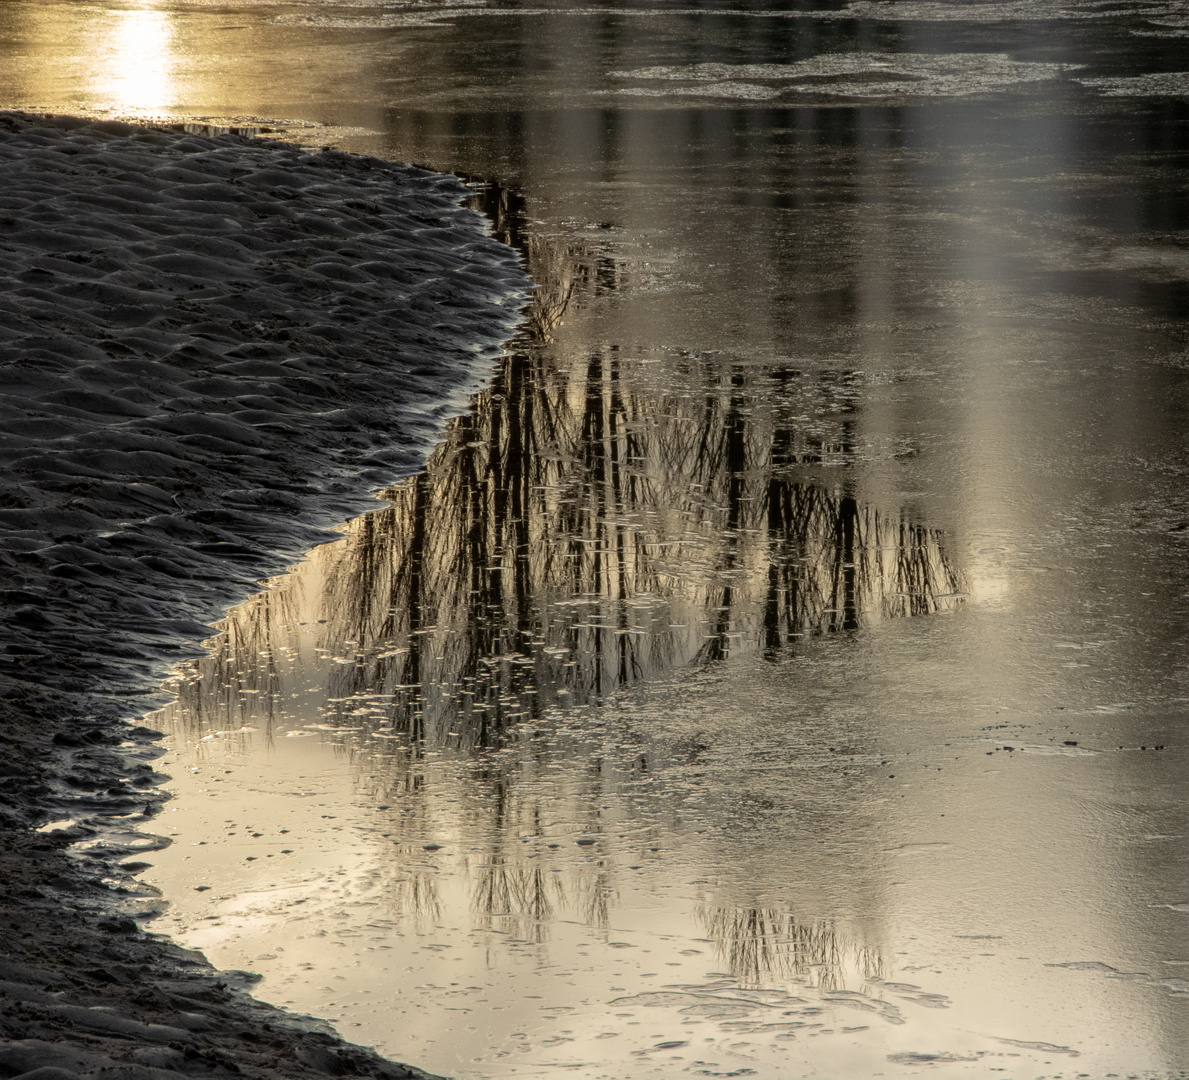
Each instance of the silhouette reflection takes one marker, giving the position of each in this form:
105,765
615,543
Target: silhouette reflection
598,519
760,945
581,528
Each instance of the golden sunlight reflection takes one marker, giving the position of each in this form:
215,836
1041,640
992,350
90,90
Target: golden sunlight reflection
134,67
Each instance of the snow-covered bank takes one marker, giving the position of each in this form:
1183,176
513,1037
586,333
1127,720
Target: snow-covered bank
212,350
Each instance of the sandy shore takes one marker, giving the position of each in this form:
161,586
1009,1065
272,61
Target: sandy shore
212,351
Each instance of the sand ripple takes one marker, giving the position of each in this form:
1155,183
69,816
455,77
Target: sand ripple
212,350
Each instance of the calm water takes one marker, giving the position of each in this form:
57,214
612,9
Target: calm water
660,727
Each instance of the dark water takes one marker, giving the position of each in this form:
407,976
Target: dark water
844,450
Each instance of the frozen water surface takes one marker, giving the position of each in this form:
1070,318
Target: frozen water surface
781,669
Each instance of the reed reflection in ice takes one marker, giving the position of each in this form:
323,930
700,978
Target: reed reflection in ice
442,682
760,943
579,530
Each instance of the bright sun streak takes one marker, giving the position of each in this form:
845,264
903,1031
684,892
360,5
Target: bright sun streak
136,66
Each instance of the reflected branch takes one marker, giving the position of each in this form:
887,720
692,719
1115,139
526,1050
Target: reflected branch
760,945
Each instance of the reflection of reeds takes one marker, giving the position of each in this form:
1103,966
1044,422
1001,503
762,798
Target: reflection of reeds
591,521
510,886
410,893
240,681
597,890
560,270
577,532
760,944
513,890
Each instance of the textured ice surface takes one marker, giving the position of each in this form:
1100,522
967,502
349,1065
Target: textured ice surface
850,74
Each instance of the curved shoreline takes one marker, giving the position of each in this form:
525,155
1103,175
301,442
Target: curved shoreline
216,350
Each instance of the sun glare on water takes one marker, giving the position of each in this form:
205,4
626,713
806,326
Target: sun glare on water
134,69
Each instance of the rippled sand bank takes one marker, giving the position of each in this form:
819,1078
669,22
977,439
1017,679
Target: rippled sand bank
213,350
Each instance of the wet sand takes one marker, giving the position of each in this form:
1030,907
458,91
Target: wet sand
213,351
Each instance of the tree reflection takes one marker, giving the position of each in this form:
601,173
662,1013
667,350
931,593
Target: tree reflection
763,944
590,522
510,889
594,520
